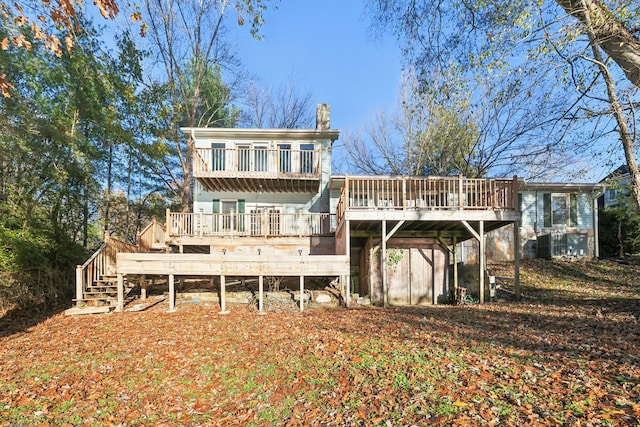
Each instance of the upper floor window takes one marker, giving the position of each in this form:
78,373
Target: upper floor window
252,158
307,158
260,158
244,158
218,151
284,157
560,209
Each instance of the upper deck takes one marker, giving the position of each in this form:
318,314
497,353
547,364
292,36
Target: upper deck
426,205
257,160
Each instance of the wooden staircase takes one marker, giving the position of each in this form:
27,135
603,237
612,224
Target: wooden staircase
96,281
104,291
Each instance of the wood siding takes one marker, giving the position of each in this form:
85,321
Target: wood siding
417,272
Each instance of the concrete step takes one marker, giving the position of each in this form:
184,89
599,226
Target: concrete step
75,311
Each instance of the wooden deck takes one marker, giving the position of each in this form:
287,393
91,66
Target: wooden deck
295,244
209,265
426,206
426,195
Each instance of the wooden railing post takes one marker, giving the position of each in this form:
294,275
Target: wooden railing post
460,190
79,283
514,193
346,193
167,225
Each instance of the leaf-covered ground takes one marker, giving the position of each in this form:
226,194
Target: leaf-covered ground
568,354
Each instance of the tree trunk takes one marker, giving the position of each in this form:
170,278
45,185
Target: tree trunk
595,28
620,241
185,202
609,33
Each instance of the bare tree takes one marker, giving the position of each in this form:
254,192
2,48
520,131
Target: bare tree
285,107
450,127
188,39
573,43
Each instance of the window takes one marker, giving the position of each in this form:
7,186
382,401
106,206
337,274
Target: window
284,158
265,220
230,215
244,158
306,158
560,210
260,158
217,156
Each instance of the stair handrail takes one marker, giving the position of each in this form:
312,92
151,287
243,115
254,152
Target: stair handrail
153,233
100,263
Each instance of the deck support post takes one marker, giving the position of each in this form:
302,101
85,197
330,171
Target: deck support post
120,303
347,279
260,294
172,294
482,260
479,235
516,274
454,252
79,284
383,270
301,293
223,297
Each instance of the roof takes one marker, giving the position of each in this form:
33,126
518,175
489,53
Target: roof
331,134
560,187
621,172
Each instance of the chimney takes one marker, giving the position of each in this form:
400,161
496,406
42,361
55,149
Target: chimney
322,117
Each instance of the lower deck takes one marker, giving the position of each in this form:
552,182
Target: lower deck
223,265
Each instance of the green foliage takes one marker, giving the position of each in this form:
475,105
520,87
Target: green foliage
394,256
619,232
63,131
445,147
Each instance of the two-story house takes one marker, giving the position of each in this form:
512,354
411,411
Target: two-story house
266,204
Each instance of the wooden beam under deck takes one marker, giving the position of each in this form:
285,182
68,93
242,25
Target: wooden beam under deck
231,265
356,214
255,184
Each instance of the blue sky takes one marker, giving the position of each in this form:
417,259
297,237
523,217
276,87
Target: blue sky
326,48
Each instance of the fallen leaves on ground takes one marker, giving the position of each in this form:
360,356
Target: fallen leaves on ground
568,354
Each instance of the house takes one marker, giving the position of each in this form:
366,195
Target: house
266,205
618,184
557,220
618,216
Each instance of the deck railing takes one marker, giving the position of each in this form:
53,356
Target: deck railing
151,237
102,263
249,224
436,193
256,162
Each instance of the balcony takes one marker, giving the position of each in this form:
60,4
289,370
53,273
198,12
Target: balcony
261,224
259,168
427,203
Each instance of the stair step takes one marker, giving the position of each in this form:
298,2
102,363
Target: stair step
87,310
